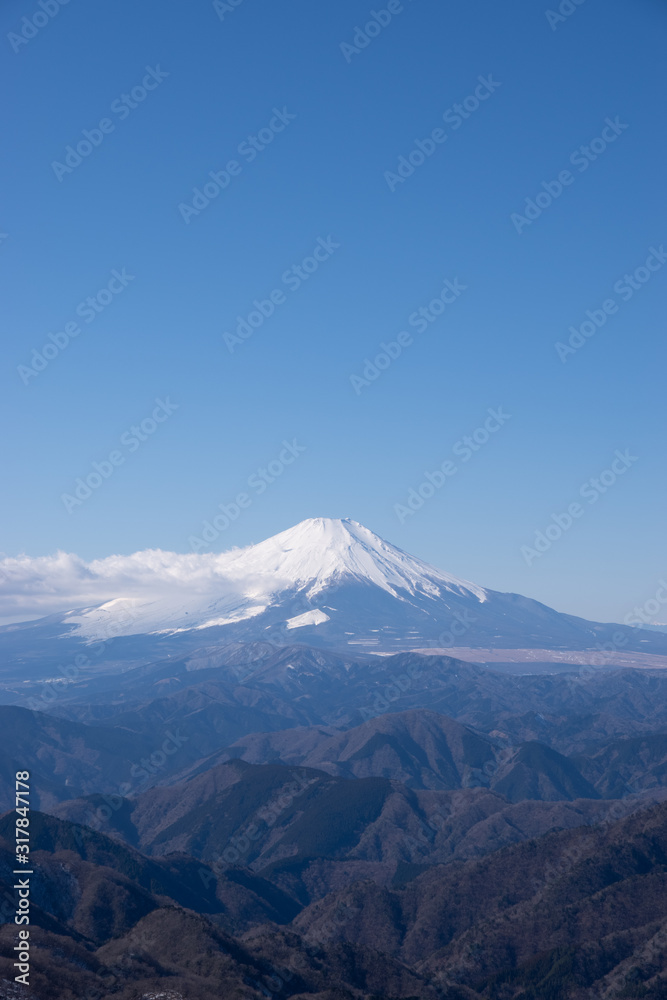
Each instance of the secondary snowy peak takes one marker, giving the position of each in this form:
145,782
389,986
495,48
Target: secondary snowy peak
320,552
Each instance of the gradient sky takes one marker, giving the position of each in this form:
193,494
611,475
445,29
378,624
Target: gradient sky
324,176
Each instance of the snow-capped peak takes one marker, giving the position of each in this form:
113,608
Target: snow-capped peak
281,577
322,551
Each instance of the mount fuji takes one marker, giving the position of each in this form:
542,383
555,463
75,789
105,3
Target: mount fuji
325,582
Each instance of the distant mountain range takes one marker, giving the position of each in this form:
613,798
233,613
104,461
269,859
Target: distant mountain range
255,820
430,722
297,825
328,583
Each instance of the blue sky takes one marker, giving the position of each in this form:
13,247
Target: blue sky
341,122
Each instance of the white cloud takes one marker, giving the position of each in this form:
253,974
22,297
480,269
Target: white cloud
32,587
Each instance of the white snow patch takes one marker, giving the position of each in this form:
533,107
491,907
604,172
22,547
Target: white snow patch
315,617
